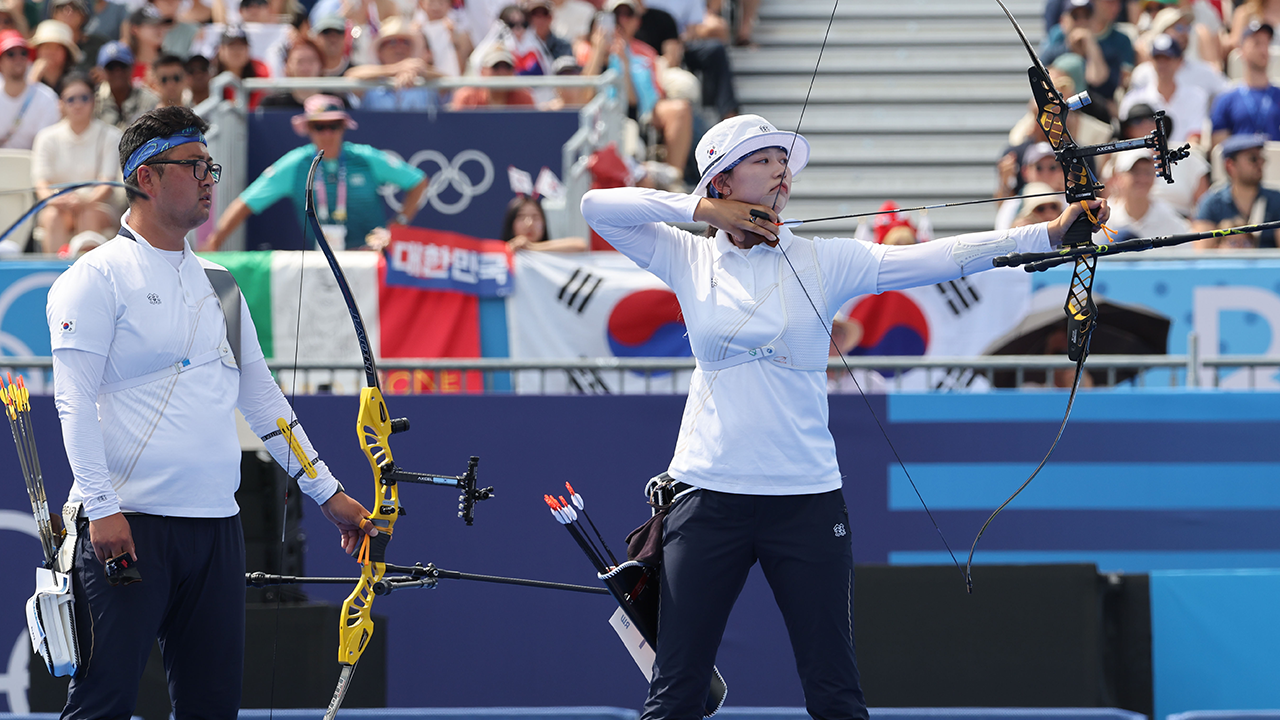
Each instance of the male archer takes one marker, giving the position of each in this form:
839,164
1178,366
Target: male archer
146,378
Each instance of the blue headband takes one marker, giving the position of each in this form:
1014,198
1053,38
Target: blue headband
155,146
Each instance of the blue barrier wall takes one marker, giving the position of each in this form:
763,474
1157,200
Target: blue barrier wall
468,644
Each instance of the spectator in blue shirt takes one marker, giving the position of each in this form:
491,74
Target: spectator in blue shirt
1088,29
1241,201
1253,105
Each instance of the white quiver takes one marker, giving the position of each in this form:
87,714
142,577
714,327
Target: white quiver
50,611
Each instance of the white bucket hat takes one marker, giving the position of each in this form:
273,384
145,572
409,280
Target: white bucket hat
733,139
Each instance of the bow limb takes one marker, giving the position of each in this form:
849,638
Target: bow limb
373,428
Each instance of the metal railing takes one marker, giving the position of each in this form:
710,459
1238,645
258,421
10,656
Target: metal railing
600,122
671,375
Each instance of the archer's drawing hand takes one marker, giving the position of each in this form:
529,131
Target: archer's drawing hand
735,218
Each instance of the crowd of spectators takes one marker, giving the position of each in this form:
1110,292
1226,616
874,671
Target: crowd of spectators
1205,64
130,56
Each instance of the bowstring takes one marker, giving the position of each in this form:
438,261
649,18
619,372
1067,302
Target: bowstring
827,324
288,468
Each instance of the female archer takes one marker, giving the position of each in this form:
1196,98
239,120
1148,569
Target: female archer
755,467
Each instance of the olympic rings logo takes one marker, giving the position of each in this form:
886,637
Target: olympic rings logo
456,174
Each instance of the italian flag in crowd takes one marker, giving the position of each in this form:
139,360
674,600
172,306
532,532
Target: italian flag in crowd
401,322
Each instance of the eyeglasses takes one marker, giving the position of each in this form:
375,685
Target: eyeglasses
200,167
166,79
334,126
513,24
81,98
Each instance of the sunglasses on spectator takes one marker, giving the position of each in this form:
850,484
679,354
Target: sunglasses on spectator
166,79
81,98
15,53
513,24
334,126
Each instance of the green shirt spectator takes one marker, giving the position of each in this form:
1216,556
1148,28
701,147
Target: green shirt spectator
347,181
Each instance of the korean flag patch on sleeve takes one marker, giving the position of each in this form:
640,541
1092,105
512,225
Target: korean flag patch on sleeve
67,327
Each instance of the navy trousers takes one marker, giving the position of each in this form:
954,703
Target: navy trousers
710,542
191,598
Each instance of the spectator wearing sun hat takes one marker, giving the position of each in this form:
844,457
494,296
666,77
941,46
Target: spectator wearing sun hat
347,200
497,62
55,51
26,108
402,57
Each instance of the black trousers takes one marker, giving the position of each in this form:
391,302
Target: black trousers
710,60
191,598
710,541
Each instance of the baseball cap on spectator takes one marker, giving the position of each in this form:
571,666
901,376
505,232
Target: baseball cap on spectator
497,55
1037,152
10,39
234,33
567,65
1257,26
321,108
329,22
1125,161
1139,111
615,4
148,15
1165,46
1238,143
1073,65
58,33
115,52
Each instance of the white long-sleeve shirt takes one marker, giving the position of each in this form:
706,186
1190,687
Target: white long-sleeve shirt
166,447
759,427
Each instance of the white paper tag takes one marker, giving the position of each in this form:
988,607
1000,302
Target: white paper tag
640,649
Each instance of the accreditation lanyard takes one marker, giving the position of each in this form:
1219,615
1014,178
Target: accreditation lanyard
322,194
